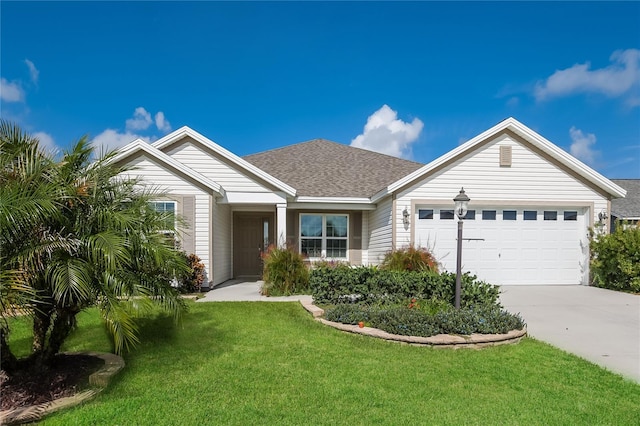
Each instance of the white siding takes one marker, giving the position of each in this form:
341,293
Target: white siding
222,262
531,178
379,232
213,167
162,179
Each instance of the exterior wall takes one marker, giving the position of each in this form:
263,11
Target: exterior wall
380,236
173,184
222,258
532,178
215,168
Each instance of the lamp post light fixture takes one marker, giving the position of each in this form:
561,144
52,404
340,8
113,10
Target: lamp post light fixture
462,202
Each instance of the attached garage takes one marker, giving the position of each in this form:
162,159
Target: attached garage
532,205
509,244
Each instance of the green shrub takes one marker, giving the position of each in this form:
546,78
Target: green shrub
191,281
410,259
284,273
371,285
416,322
615,259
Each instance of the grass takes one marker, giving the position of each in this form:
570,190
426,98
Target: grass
271,363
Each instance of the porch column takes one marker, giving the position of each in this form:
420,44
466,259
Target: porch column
281,225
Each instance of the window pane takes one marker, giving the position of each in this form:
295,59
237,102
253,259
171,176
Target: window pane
336,248
530,215
311,225
488,215
337,226
446,214
550,215
311,247
425,214
471,215
168,210
570,215
509,215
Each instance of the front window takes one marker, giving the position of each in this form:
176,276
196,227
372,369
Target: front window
168,211
324,236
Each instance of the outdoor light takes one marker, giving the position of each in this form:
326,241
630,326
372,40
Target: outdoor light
405,216
462,202
602,216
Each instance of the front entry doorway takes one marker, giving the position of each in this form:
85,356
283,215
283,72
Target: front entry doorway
252,234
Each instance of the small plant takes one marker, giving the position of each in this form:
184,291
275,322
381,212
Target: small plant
410,259
191,280
284,272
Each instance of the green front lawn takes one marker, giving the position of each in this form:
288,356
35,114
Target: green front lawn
271,363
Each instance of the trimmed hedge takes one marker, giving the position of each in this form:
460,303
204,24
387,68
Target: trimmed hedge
331,285
409,322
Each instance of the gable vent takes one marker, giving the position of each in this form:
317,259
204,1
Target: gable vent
505,156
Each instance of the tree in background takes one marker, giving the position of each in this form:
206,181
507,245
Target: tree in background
76,234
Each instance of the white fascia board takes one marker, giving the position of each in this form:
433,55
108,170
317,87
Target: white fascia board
331,206
254,198
140,145
333,203
187,131
534,138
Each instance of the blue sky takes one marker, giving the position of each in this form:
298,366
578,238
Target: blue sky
409,79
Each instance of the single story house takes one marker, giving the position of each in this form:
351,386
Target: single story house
626,209
531,203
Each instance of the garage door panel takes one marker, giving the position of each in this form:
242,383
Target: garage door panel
511,251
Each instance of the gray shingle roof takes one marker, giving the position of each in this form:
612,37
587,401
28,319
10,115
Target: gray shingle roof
321,168
628,206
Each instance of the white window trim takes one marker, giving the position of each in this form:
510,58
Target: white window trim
175,214
324,236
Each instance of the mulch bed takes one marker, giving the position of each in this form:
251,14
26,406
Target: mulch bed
68,375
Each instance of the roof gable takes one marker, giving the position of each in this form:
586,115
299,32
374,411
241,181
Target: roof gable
141,147
228,156
321,168
526,135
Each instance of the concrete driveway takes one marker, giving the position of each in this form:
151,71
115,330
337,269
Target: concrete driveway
602,326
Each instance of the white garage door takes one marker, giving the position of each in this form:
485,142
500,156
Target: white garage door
509,245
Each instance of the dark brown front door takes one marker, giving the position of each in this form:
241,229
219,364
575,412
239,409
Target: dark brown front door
251,236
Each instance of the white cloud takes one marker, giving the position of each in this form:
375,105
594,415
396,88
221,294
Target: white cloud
33,71
162,123
10,91
387,134
112,139
46,141
582,145
617,79
141,120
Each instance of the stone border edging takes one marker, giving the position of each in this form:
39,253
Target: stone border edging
475,341
98,380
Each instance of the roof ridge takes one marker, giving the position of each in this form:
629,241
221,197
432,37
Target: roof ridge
335,143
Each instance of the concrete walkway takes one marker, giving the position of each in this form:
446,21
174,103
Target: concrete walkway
245,291
602,326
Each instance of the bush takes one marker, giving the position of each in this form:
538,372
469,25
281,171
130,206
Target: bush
371,285
615,259
284,273
415,322
191,281
410,259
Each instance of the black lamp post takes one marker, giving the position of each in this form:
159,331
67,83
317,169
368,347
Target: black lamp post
462,202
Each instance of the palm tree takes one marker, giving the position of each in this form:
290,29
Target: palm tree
100,246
